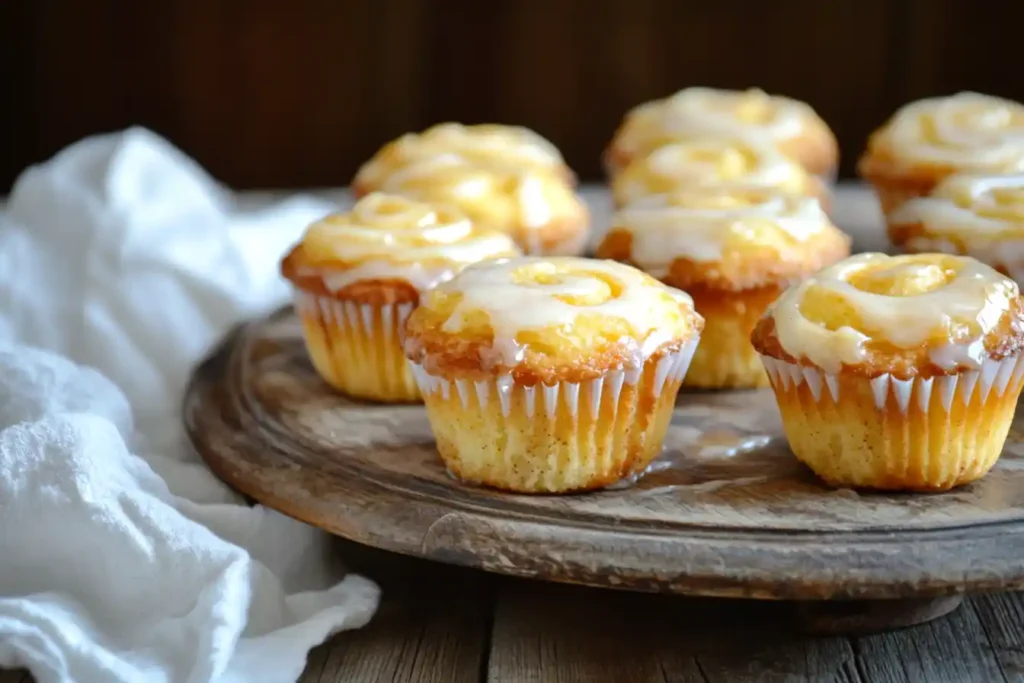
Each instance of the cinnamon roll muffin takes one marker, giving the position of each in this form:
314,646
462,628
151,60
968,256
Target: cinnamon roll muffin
734,252
972,214
550,375
717,162
897,372
928,140
358,275
504,178
793,126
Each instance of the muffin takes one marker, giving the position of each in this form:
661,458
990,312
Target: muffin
971,214
931,139
504,178
734,252
550,375
896,372
357,276
792,126
733,161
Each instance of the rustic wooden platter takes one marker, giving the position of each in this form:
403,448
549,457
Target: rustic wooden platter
725,511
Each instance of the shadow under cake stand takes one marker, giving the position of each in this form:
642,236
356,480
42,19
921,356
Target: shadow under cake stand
726,511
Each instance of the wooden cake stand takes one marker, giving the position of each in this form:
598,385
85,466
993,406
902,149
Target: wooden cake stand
726,510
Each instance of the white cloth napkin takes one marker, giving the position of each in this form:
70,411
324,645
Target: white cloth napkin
121,557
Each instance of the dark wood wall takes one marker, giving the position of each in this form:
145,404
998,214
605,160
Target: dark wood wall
275,93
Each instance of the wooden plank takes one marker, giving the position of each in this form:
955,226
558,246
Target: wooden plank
951,649
432,626
1002,618
547,633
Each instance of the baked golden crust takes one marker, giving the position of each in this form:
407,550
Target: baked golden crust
376,292
796,130
715,162
724,240
1006,339
391,244
486,143
547,321
536,206
759,267
928,140
981,316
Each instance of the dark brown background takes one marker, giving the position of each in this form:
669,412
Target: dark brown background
267,93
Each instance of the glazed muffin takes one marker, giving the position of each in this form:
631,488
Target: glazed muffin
793,126
479,143
734,253
928,140
357,276
733,161
970,214
897,372
550,375
504,178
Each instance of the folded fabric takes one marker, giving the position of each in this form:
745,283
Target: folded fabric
121,557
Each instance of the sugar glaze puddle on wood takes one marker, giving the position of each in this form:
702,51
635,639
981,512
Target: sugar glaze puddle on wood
726,511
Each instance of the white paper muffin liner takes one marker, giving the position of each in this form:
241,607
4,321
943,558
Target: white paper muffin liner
567,436
992,379
357,347
545,399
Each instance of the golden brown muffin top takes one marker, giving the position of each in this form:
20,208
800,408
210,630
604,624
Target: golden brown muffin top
733,161
717,111
385,237
724,239
941,135
483,144
910,316
547,320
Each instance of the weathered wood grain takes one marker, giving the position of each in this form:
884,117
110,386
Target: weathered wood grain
268,94
1002,618
432,627
953,649
728,512
544,634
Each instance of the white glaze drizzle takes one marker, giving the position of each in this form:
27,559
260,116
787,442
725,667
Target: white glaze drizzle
738,161
703,110
968,131
961,311
665,227
513,145
527,294
983,213
533,195
386,237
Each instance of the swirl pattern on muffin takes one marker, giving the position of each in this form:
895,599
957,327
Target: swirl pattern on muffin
392,238
730,240
973,214
897,372
914,315
481,144
929,139
733,162
549,319
358,275
506,179
792,125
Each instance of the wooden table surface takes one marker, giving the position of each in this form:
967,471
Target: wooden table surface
443,624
